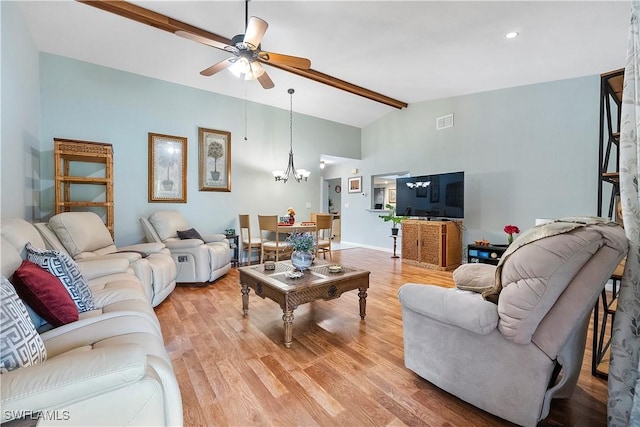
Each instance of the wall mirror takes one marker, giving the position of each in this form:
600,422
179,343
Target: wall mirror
383,189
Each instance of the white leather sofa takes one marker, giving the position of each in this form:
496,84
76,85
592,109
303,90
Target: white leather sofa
83,235
109,367
202,259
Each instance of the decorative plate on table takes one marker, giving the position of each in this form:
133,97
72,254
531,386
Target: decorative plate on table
293,274
337,268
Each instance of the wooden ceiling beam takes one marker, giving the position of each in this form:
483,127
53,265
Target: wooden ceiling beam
342,85
162,22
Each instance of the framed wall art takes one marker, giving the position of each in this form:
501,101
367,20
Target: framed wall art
392,195
355,184
214,154
167,168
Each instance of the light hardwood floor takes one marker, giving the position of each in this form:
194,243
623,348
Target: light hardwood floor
235,370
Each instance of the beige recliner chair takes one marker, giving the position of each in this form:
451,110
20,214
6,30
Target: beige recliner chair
513,357
83,235
202,259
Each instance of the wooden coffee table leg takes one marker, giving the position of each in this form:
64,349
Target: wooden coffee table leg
362,293
287,317
245,299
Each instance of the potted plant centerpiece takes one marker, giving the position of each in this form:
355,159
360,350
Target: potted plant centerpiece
303,245
391,216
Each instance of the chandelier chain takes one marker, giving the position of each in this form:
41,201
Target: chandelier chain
291,120
298,175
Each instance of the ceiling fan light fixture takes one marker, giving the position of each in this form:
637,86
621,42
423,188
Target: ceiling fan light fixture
242,68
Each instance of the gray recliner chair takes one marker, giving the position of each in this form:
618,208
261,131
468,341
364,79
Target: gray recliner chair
513,357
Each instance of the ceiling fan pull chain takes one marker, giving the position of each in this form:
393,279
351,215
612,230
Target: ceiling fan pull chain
245,110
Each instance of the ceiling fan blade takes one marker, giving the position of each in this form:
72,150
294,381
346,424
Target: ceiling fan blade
203,40
217,67
254,32
266,81
288,60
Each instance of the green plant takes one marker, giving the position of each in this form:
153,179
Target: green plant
391,216
303,242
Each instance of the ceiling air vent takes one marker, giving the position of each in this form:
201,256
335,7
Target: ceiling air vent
444,122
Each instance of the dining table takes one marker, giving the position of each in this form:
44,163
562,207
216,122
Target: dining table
297,227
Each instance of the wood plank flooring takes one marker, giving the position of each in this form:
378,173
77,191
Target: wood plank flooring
235,370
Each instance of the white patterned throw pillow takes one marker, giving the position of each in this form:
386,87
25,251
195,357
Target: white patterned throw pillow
20,344
67,271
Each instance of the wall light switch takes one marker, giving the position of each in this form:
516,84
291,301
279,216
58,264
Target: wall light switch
346,205
308,205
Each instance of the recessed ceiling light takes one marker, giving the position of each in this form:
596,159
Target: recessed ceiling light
512,35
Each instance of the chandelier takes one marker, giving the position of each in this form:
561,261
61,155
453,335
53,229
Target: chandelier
300,174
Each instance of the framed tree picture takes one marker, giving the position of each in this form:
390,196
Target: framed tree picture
214,154
167,168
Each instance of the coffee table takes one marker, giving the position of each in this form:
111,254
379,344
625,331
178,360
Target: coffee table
317,283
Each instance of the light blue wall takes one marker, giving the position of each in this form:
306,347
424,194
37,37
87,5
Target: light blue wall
528,152
19,152
89,102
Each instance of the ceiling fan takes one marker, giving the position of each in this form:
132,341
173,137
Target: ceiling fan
283,62
248,56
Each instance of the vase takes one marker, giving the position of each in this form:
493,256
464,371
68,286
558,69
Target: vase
510,238
292,219
301,260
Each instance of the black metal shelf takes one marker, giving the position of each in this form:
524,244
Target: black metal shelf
611,85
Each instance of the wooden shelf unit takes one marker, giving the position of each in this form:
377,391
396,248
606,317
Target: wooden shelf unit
68,151
436,245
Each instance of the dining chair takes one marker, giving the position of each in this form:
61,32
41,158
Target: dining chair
271,246
248,243
323,234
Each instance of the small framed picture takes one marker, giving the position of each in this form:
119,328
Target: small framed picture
214,152
355,184
392,195
167,168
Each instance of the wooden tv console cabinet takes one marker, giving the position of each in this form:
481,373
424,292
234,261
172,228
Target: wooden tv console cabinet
432,244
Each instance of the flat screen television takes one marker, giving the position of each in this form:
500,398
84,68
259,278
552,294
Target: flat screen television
431,196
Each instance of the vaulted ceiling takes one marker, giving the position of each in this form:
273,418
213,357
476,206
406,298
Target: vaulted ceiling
411,51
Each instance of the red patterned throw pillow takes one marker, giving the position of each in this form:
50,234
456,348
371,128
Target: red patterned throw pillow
46,295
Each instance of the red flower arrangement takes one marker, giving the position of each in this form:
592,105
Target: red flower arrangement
511,230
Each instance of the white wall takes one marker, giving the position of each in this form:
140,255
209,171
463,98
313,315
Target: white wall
20,117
